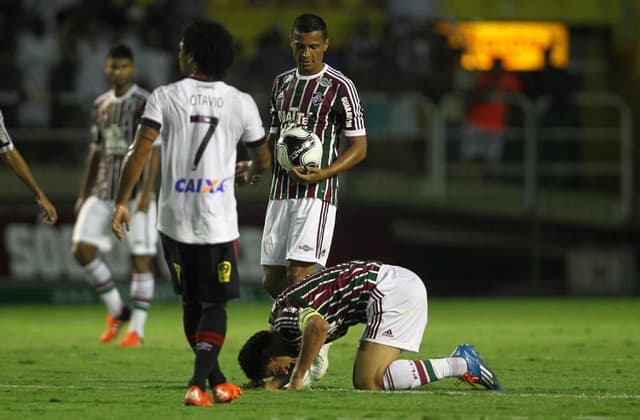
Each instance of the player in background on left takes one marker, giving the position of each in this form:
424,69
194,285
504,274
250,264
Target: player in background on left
12,157
115,117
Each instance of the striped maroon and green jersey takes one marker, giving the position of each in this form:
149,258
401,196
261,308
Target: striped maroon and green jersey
327,104
114,123
339,293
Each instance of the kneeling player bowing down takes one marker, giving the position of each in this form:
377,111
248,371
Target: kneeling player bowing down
390,300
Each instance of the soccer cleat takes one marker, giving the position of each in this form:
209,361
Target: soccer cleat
112,329
320,364
477,370
226,392
114,324
131,339
196,396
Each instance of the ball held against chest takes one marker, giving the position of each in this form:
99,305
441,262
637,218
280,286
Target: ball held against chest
298,148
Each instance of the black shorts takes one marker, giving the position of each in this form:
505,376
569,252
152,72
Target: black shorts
203,272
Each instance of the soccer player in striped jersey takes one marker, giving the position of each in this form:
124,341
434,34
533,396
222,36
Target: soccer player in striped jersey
14,160
392,303
201,120
115,116
301,211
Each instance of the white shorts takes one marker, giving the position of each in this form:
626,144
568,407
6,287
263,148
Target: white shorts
93,226
297,229
397,310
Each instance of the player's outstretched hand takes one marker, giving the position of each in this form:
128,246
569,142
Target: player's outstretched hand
312,176
50,214
120,215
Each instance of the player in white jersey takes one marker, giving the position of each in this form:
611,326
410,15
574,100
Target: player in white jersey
14,160
115,116
301,213
201,120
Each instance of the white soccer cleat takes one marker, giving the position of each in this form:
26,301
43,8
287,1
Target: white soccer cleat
320,364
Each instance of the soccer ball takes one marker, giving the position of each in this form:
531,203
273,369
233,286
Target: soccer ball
298,148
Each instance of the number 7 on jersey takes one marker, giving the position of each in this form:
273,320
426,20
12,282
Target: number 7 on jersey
213,123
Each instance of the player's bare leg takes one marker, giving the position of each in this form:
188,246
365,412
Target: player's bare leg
377,367
99,277
142,286
297,270
274,279
372,359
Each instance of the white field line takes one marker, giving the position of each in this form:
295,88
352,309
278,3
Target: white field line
555,395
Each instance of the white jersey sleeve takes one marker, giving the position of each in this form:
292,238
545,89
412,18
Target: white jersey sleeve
5,140
153,109
153,114
253,128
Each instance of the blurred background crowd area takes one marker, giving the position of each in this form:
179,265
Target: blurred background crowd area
549,104
52,52
450,114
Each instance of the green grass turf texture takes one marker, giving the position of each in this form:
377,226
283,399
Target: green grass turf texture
556,358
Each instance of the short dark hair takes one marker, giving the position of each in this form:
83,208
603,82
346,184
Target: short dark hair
308,22
211,45
120,51
259,348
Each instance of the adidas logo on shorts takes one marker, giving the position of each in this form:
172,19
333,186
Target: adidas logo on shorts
387,333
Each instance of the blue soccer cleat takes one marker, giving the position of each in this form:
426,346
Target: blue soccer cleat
477,370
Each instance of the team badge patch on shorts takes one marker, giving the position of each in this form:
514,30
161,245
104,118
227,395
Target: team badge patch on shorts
224,272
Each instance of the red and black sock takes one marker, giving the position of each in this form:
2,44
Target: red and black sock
191,312
209,340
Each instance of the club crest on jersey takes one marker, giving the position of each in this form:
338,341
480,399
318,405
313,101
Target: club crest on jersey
317,98
199,185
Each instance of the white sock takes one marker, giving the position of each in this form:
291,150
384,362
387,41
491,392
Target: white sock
448,367
142,285
409,374
99,276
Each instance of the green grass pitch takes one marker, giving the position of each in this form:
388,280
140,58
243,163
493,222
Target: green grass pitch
556,358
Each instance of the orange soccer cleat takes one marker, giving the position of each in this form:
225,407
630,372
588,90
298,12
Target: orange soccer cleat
226,392
131,339
196,396
112,329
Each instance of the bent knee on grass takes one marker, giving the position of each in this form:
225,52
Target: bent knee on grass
372,359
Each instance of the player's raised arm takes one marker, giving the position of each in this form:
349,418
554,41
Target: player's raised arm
134,163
